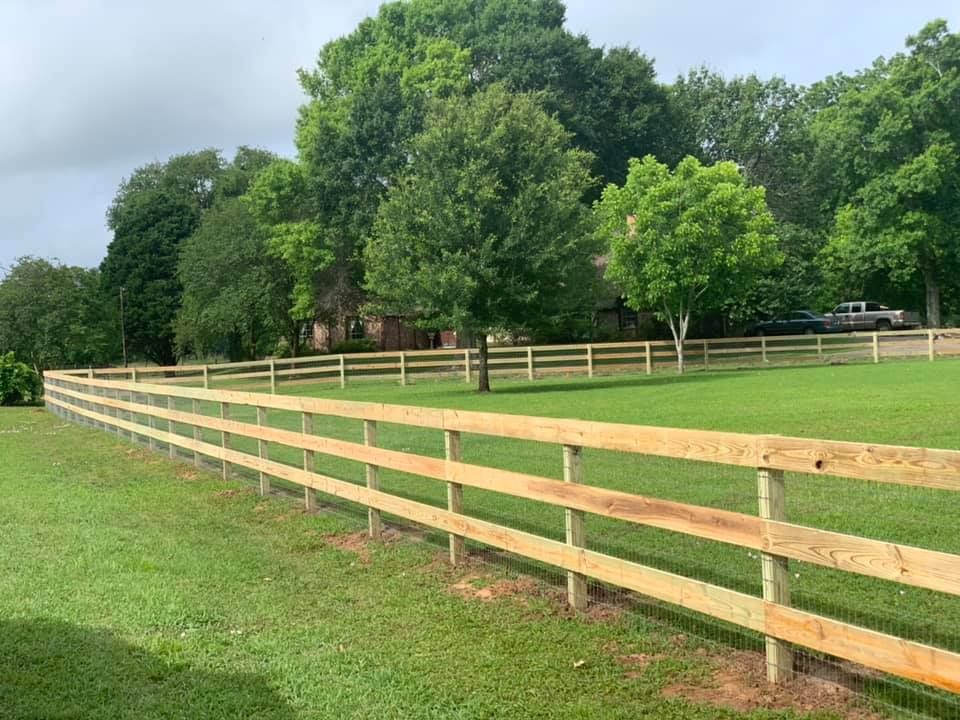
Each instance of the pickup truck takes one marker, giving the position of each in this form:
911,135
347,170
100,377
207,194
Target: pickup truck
861,315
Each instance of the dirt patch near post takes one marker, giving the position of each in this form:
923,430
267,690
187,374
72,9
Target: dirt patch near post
738,681
354,542
483,587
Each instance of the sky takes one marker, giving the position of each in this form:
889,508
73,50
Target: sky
92,89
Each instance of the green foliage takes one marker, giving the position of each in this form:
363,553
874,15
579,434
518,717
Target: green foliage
236,296
764,127
488,231
159,206
692,239
53,315
19,383
369,96
893,135
155,210
360,345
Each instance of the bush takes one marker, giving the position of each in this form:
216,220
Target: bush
353,346
19,383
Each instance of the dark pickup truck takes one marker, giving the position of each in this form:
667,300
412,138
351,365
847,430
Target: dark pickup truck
862,315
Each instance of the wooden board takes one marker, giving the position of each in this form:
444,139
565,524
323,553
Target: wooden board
899,563
882,463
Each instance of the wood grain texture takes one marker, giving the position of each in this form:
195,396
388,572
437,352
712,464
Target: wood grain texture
915,661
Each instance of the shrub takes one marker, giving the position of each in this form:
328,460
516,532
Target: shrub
353,346
19,383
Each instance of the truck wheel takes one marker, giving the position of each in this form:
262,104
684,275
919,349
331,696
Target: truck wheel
884,325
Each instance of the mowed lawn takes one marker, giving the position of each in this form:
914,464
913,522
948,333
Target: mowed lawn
216,603
132,586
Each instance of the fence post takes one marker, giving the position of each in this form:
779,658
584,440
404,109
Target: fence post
576,537
309,494
706,355
130,417
206,377
133,375
819,348
876,347
171,428
771,491
225,438
403,368
930,353
151,421
375,525
195,408
763,348
263,451
343,372
649,358
273,376
589,360
452,448
466,365
529,363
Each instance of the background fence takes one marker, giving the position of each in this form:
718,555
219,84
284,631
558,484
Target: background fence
545,360
810,547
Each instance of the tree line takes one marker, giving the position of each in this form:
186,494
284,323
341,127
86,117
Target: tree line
474,165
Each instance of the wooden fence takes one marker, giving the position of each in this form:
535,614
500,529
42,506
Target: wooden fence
149,411
539,361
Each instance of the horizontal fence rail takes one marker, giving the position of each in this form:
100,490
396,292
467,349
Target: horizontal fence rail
533,362
149,411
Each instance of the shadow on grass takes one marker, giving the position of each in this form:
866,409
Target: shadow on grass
52,669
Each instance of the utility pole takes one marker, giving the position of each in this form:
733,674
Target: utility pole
123,327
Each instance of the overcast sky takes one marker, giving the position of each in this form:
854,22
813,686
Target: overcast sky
90,89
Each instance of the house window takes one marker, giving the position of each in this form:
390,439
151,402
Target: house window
306,332
356,329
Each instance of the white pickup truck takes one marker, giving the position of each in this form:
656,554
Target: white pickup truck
862,315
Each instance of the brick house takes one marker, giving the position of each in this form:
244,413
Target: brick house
387,332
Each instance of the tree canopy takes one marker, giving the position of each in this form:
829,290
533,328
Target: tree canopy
155,210
487,231
53,316
860,174
685,241
893,134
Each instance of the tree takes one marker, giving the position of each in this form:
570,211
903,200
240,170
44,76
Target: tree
155,209
764,127
685,241
52,315
893,134
236,296
487,231
368,96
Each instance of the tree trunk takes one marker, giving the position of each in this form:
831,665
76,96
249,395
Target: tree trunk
933,302
483,375
678,328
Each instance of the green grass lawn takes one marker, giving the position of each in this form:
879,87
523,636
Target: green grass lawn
908,402
134,587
